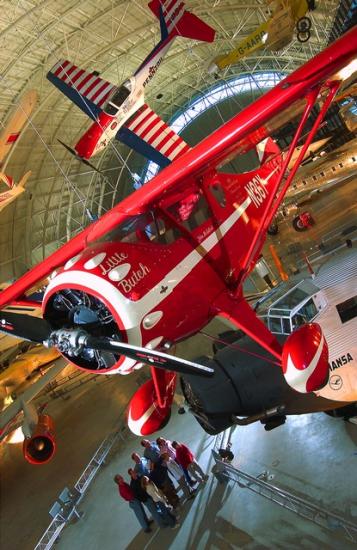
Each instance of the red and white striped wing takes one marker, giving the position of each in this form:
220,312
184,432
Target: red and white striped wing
88,84
149,127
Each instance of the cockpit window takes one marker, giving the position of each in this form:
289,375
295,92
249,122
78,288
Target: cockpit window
147,227
116,101
305,314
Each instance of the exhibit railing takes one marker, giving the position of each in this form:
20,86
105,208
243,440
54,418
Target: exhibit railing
261,485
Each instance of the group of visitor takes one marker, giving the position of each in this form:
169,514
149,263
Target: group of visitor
164,469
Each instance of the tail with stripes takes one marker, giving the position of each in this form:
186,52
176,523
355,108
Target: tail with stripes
176,21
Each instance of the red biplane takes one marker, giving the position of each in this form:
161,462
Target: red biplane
166,260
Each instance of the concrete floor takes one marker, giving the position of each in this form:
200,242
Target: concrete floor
314,455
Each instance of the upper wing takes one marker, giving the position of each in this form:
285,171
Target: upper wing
149,135
243,132
86,89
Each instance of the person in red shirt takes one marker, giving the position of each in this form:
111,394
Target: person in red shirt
127,494
188,463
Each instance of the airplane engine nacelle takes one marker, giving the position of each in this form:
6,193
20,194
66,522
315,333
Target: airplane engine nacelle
145,416
41,446
305,359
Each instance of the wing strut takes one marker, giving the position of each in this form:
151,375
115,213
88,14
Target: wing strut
276,199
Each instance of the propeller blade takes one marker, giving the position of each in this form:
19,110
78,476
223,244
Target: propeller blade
75,154
148,356
25,327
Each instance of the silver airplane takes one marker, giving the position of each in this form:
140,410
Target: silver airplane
320,174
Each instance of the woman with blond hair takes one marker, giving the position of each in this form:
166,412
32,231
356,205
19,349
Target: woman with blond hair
160,500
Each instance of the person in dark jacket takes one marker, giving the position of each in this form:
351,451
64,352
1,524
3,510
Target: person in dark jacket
142,496
128,494
160,476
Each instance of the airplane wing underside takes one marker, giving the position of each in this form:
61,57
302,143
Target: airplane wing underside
86,89
149,135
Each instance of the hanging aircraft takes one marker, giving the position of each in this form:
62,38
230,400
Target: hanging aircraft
37,427
16,121
273,34
120,112
8,138
167,259
319,175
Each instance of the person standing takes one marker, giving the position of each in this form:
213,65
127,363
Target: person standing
186,459
152,451
143,498
159,498
165,446
127,494
159,475
176,472
141,465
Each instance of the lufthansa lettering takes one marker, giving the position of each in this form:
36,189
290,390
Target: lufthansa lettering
340,361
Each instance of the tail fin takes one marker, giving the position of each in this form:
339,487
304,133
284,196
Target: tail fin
267,149
8,180
176,21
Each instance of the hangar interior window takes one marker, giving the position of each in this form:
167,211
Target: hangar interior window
347,310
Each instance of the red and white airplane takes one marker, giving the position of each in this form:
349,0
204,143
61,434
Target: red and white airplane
173,255
120,112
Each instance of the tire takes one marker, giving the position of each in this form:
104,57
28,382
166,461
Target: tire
303,24
303,36
297,225
273,229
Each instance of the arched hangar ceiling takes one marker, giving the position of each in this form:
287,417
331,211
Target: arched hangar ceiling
112,37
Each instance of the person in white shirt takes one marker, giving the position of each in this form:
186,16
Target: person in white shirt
160,500
176,472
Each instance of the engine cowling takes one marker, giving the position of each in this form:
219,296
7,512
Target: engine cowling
41,446
305,359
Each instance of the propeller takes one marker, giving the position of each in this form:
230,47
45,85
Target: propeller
73,341
33,329
75,154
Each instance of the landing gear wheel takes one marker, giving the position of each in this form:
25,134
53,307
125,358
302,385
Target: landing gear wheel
303,36
298,225
273,229
303,24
